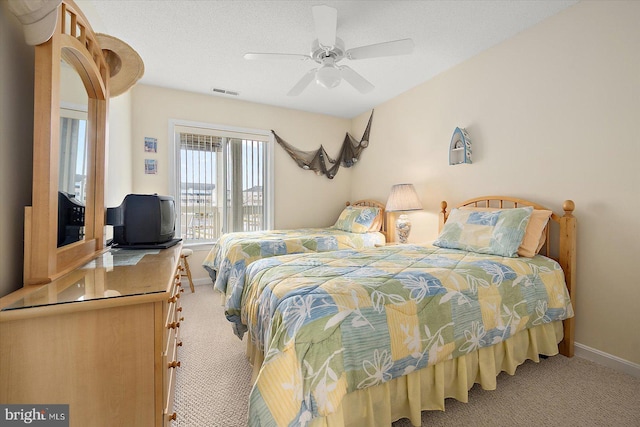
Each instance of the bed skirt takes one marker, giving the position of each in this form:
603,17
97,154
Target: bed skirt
427,389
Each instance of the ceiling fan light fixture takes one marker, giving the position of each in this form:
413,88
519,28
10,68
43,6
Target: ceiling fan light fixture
328,76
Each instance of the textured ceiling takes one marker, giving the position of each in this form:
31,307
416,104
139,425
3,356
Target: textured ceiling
197,46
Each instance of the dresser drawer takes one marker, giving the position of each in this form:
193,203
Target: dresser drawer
169,413
167,350
171,341
173,317
170,355
170,371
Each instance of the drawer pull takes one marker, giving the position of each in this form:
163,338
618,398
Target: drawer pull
179,344
173,417
173,325
179,309
181,290
174,364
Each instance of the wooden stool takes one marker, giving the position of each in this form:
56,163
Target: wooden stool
186,253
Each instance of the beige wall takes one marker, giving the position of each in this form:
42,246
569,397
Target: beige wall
551,114
16,145
119,168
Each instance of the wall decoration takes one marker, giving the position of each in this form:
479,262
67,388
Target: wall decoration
150,166
150,145
319,162
460,147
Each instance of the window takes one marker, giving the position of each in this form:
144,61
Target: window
223,180
72,178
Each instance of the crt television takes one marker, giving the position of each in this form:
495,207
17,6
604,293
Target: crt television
144,221
70,219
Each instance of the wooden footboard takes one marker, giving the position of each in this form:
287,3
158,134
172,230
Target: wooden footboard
564,251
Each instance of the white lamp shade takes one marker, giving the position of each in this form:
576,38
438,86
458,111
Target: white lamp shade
403,197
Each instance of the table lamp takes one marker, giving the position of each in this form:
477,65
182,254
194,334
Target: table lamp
403,198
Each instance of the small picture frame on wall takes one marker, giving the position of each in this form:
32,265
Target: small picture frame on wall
150,145
150,166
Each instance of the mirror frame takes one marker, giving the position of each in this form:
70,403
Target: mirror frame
74,41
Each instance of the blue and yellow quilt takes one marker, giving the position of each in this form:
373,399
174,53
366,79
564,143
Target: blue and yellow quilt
334,322
233,252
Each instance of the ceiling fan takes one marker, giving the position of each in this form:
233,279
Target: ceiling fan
327,50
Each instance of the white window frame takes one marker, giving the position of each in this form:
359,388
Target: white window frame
230,131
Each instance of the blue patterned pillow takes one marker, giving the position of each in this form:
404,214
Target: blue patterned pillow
358,219
498,232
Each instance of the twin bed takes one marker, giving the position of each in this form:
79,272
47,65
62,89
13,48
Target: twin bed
363,337
362,224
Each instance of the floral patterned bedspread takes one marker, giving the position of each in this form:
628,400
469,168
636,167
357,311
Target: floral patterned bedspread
330,323
234,251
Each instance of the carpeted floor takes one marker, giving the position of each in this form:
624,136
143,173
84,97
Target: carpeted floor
213,384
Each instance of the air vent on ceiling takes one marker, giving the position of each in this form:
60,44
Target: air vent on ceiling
225,92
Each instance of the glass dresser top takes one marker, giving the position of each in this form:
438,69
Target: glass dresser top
116,273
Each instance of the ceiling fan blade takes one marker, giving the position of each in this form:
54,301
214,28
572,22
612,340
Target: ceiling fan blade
361,84
397,47
276,56
302,83
326,21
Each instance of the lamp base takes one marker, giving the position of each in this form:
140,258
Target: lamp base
403,227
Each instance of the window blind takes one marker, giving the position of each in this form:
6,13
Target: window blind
221,183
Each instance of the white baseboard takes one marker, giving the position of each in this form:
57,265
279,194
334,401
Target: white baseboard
606,359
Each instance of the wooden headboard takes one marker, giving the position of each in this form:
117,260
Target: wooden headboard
369,202
564,253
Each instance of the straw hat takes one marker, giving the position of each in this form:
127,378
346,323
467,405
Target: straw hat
125,64
38,18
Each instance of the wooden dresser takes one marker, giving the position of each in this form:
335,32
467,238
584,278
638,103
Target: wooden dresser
103,339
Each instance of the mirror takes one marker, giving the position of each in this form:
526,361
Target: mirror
73,165
74,43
